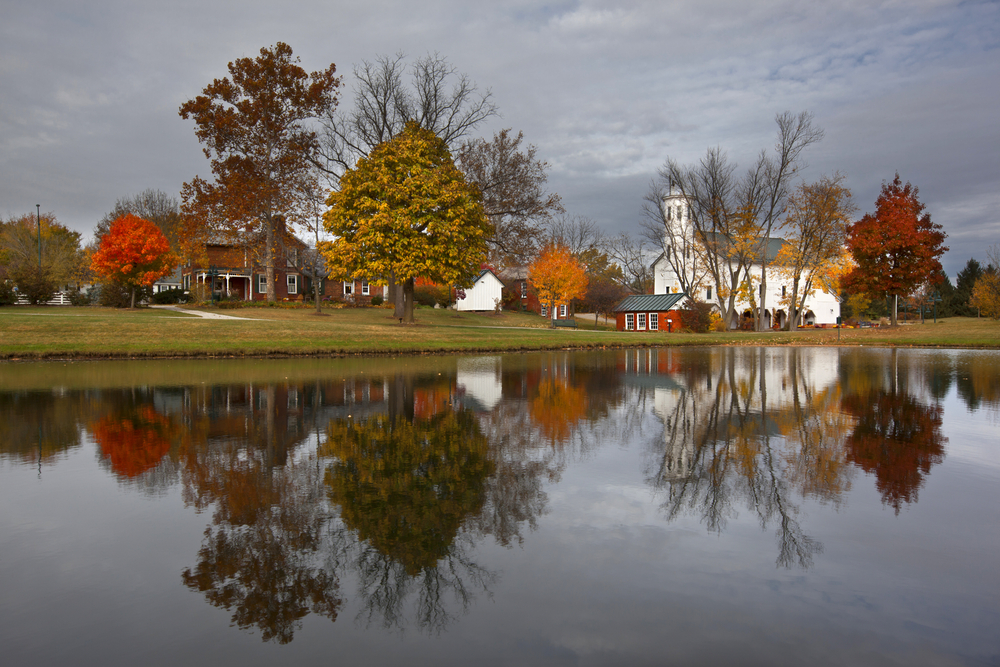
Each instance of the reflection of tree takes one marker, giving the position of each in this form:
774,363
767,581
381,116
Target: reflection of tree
898,439
133,440
978,379
558,407
264,558
36,427
406,488
728,437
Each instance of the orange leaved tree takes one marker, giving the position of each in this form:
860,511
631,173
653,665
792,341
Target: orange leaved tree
133,253
557,277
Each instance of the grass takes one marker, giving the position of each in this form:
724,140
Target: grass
49,332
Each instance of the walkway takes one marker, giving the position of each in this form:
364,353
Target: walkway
200,313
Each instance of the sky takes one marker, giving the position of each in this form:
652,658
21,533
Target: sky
606,90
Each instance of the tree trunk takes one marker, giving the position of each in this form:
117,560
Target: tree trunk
407,300
272,293
396,296
132,307
316,283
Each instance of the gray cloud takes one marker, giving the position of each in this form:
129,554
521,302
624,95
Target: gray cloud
606,90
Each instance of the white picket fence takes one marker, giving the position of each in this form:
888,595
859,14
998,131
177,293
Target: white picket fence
58,299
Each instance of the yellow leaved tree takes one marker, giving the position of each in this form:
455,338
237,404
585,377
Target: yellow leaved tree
404,212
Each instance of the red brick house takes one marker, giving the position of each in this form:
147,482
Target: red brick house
234,271
649,312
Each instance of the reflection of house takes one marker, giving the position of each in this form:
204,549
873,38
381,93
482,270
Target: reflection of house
485,294
478,379
649,312
819,308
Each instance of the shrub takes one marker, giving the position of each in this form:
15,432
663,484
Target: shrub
377,300
171,296
79,298
7,294
114,295
696,316
230,304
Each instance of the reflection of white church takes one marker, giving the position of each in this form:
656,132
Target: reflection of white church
819,308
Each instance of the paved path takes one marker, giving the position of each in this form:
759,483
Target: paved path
199,313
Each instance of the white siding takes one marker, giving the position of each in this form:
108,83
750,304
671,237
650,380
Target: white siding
483,294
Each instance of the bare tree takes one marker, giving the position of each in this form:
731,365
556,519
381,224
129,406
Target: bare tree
795,134
156,206
578,233
731,217
512,184
437,97
632,256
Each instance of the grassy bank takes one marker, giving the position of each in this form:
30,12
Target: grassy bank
78,333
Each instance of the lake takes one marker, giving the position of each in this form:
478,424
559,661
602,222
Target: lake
748,506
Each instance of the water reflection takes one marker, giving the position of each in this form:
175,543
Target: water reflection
376,485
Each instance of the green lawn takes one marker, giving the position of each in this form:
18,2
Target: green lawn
88,332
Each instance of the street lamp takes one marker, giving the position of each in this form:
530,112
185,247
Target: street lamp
38,218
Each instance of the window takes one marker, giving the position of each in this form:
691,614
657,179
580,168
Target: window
348,287
545,310
629,321
641,325
562,310
783,294
654,321
524,289
293,257
293,283
761,289
261,283
708,294
366,289
679,213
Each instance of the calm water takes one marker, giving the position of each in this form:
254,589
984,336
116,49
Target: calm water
724,506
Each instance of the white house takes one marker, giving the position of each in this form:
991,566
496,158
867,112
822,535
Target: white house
485,294
819,308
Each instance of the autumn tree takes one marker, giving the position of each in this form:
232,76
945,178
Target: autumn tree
897,248
815,228
39,270
257,132
407,211
512,184
986,291
133,253
557,277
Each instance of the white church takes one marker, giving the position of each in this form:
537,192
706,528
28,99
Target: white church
819,308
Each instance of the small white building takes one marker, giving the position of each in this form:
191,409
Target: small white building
485,294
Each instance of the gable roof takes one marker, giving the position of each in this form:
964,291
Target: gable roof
649,302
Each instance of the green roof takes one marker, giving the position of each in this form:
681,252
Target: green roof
650,302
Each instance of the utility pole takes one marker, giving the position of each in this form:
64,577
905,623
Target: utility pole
38,219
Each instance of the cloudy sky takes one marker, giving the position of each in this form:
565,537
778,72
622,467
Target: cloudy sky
606,90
